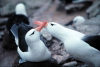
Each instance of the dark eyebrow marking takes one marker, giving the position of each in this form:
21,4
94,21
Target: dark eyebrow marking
52,24
32,33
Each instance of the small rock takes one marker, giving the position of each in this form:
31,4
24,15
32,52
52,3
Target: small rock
73,63
49,43
94,9
60,59
55,47
73,6
63,52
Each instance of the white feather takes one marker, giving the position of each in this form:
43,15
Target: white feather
74,45
37,51
20,9
78,20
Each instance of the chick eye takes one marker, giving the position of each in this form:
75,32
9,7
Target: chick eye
32,33
52,24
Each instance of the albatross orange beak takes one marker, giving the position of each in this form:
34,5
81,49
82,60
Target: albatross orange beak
40,25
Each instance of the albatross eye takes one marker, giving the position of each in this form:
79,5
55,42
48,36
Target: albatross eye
52,24
32,33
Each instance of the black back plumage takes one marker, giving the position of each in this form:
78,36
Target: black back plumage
22,30
13,19
93,41
16,19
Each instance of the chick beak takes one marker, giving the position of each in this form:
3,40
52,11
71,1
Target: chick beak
40,25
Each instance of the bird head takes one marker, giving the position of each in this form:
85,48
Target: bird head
20,9
53,28
78,19
28,32
32,35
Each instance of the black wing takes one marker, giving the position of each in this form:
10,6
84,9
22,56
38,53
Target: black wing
69,23
22,30
93,41
16,19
